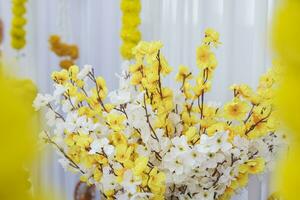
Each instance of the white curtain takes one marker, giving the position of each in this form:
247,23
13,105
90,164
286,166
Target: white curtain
94,25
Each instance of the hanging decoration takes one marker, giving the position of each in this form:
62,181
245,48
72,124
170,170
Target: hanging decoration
130,33
68,52
18,32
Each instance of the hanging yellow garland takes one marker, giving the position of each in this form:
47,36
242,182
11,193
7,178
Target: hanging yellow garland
18,33
70,52
130,33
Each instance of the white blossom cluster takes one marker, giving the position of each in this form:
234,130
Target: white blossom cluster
193,171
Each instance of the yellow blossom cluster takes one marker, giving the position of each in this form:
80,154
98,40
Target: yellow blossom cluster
111,152
130,33
78,144
17,32
69,52
249,114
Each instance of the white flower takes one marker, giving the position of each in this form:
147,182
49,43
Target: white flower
108,181
226,175
174,163
241,143
175,118
71,121
213,159
118,97
145,133
143,150
220,142
41,101
101,129
59,90
85,125
180,144
67,106
129,182
205,195
84,72
50,117
163,144
214,143
136,118
98,144
194,158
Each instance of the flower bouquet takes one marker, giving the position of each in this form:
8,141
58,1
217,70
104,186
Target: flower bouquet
154,142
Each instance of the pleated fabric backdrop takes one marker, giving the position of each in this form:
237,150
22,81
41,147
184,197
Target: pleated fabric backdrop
94,25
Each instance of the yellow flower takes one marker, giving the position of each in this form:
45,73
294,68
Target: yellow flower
123,153
97,174
148,49
115,121
218,127
183,73
205,57
236,109
191,134
83,140
253,166
60,77
256,126
118,138
242,179
201,87
73,72
242,90
101,89
140,164
212,36
157,181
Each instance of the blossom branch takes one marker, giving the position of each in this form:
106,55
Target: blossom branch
72,163
56,113
148,120
159,73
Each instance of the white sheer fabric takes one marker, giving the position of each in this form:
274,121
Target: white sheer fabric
94,25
